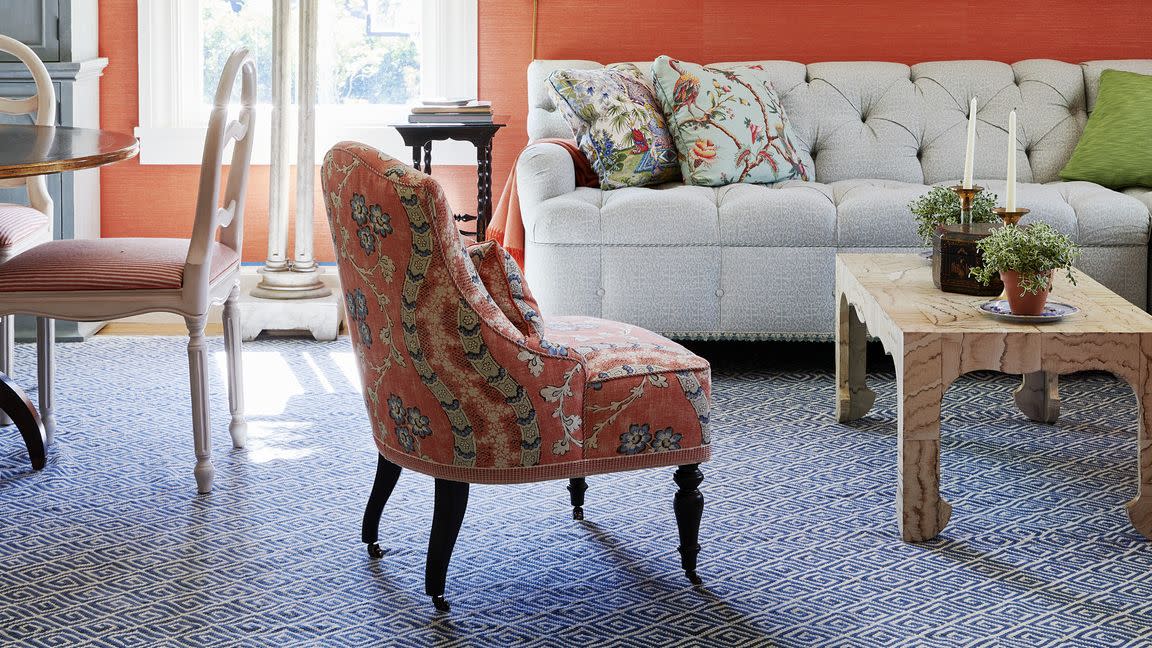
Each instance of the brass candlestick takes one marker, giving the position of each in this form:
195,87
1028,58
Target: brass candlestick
967,197
1010,216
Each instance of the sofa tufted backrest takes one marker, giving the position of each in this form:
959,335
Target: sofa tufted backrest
908,123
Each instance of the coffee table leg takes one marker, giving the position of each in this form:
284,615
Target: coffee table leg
853,398
1038,396
1140,508
923,514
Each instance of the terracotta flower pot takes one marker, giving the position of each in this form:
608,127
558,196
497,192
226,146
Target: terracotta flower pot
1026,304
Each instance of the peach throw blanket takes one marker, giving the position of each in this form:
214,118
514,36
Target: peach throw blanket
507,226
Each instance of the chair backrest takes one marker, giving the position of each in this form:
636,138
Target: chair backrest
43,105
436,353
212,213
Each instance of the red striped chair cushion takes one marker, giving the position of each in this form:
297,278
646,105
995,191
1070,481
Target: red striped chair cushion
107,264
18,222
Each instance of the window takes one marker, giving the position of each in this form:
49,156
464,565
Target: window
375,59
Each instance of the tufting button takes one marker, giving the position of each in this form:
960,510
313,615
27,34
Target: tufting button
599,292
719,292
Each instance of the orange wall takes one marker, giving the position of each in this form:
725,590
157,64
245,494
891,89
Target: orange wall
157,200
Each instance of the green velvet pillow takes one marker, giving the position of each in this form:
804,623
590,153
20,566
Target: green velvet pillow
1116,147
728,123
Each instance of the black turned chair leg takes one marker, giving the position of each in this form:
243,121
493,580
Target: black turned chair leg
576,488
689,507
386,475
451,502
18,407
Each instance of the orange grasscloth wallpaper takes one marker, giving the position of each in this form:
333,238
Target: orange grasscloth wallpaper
158,200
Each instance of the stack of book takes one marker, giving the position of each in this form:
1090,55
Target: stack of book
452,112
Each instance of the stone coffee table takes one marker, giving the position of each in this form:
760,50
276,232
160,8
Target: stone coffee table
935,337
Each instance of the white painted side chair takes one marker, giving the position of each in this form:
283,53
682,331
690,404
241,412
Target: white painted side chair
111,278
22,227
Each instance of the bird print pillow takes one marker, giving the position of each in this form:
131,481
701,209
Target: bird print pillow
618,124
728,124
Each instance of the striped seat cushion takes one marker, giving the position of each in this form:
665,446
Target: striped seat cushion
18,222
107,264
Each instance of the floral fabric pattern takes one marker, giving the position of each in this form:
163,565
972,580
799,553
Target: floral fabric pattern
357,306
728,124
618,124
462,377
498,271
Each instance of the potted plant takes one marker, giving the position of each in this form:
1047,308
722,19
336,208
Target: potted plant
1025,258
941,206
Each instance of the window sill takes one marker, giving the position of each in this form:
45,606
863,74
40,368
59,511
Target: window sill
185,145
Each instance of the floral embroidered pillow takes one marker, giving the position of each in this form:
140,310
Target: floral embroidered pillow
728,124
618,124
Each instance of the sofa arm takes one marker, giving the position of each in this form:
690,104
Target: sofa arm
544,170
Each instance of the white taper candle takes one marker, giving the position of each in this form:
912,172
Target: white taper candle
970,147
1010,192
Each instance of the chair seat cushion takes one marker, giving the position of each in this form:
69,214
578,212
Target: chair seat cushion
644,394
107,264
615,349
18,222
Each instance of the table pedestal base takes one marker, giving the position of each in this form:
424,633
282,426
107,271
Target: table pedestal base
18,407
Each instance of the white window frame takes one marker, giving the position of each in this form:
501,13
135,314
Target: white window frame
173,119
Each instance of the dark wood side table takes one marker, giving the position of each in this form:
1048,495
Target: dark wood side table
420,138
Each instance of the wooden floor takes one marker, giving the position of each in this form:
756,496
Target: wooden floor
155,328
160,329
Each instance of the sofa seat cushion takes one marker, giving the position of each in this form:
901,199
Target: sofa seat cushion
845,214
1143,194
787,214
874,213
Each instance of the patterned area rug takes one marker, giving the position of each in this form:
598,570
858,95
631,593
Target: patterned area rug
110,545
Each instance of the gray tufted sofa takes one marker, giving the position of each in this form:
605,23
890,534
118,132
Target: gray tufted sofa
755,261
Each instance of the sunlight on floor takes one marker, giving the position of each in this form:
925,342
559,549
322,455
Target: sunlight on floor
271,383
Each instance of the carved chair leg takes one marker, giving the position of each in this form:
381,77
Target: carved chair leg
46,374
576,488
238,428
198,384
386,475
451,503
689,507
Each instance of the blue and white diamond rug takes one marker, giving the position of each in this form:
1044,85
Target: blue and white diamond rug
110,545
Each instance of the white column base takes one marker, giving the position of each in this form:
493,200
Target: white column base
319,316
290,284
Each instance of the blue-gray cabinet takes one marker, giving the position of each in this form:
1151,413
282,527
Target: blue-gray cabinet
63,33
57,30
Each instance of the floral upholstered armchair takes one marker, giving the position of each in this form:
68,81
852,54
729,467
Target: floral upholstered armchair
466,381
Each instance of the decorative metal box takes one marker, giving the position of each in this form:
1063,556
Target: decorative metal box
954,253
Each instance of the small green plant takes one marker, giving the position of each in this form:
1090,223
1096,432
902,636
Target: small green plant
1032,250
941,206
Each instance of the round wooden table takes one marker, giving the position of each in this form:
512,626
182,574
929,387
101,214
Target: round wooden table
25,151
40,150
